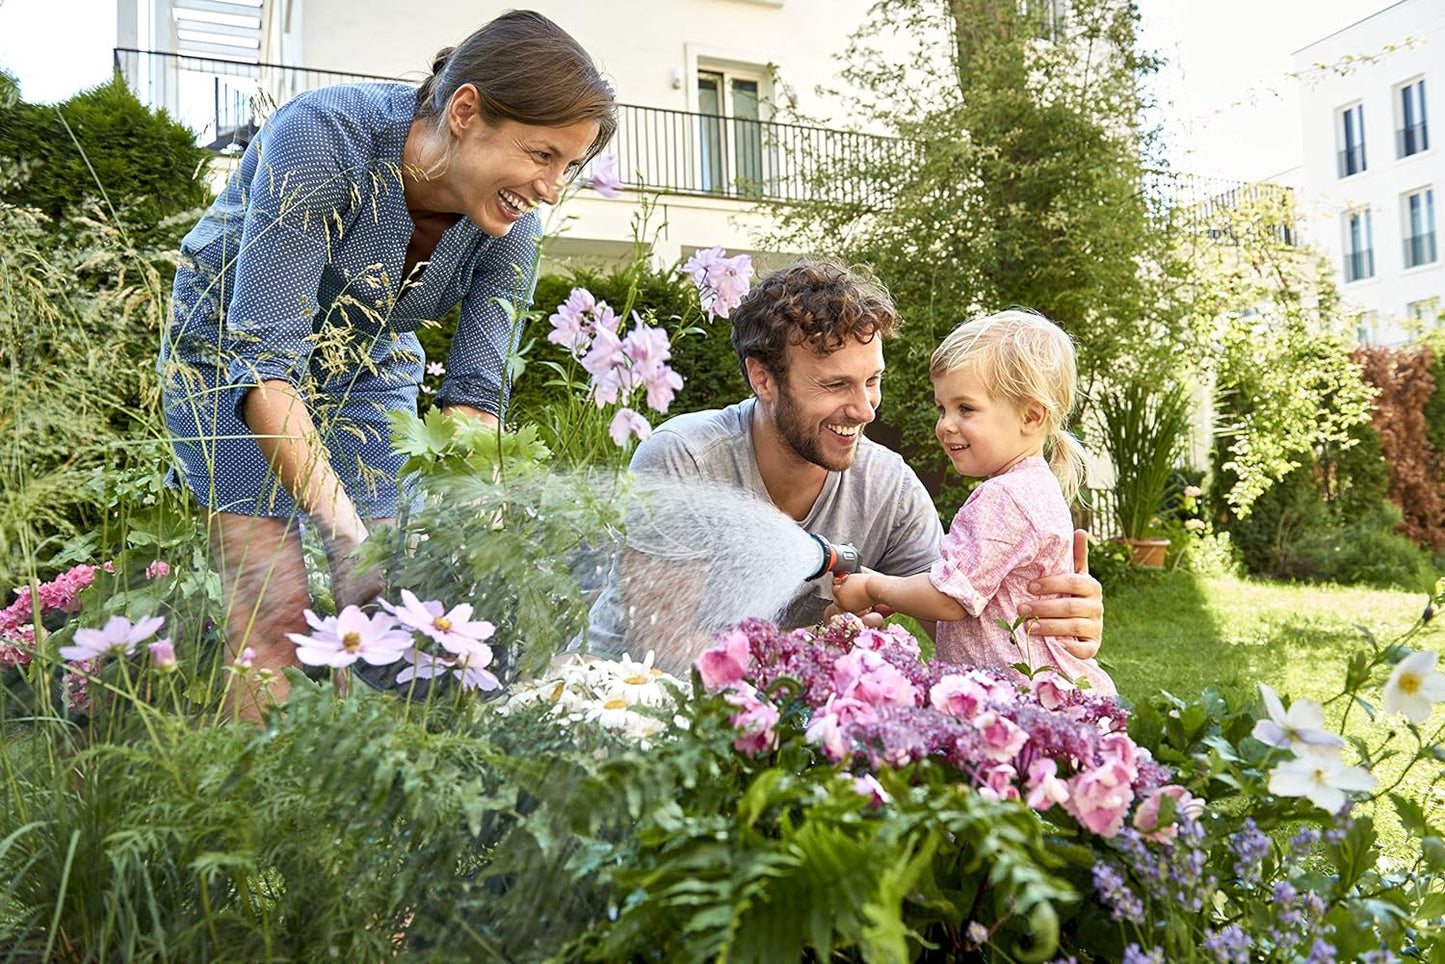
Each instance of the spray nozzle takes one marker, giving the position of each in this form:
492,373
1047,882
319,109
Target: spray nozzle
838,557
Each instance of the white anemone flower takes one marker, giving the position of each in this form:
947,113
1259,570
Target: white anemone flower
637,683
1322,777
1414,687
1303,725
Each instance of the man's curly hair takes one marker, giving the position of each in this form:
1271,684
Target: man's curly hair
818,303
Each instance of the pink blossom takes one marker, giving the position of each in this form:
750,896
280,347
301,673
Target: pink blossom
696,266
604,179
118,637
662,386
628,423
1045,787
756,721
958,696
1118,746
893,637
998,783
246,658
866,675
470,673
163,654
647,348
1002,737
724,664
158,569
570,327
454,629
1053,691
829,723
606,353
868,786
721,281
1146,816
341,640
1099,798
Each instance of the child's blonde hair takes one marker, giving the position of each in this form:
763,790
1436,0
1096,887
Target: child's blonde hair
1022,357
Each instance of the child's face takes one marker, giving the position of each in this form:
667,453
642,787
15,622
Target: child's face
981,436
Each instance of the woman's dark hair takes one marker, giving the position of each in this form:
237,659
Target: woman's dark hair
526,69
820,304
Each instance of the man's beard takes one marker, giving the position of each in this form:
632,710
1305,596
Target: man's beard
804,439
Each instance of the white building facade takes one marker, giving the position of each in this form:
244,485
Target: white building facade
699,81
1374,165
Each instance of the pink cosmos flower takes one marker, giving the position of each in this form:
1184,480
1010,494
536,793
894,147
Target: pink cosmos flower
1099,798
998,783
1002,737
1045,787
724,664
958,696
163,654
455,630
604,179
756,721
627,423
1146,816
470,672
158,569
119,636
341,640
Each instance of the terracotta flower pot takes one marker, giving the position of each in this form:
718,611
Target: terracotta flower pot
1147,553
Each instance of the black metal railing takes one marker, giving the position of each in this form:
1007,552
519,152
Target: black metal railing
1420,249
679,152
1412,139
1360,264
1352,160
1214,207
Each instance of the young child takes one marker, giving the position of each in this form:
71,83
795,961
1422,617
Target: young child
1004,386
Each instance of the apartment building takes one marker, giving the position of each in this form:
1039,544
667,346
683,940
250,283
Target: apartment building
1374,165
702,84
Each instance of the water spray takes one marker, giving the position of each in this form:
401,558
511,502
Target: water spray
838,558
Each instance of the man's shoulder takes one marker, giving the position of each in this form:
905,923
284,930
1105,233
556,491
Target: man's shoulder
876,463
703,433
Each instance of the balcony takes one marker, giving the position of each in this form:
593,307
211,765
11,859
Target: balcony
1352,160
1411,139
1359,265
672,151
1420,249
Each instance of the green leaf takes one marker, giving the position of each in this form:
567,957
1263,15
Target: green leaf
1412,816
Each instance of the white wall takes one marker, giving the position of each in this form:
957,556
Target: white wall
1416,29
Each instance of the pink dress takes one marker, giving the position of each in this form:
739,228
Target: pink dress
1013,529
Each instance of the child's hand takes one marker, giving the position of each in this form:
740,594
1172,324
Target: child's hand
850,593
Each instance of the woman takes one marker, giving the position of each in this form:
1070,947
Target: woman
358,214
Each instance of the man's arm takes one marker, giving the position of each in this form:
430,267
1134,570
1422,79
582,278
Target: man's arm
1078,616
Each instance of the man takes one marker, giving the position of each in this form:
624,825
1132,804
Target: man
810,342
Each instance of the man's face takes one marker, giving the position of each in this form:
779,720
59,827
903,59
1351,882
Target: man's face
822,402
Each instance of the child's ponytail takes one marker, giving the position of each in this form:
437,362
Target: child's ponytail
1066,458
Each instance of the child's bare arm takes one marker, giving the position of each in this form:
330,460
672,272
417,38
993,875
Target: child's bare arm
911,595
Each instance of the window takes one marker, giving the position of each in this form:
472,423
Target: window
1419,223
731,134
1050,16
1427,311
1367,328
1351,135
1413,136
1359,246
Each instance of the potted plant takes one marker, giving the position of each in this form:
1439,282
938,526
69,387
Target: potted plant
1144,429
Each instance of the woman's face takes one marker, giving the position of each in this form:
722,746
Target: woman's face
500,171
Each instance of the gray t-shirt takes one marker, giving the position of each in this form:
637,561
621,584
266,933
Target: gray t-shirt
877,504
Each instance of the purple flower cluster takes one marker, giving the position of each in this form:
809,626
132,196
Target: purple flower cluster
618,364
1229,945
721,281
1175,873
1249,846
871,703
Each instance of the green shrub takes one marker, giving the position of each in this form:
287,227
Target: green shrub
145,163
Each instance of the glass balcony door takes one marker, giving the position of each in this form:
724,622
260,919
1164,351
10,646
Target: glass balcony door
730,135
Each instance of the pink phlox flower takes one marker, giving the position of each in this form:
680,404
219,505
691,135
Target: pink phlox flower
830,723
999,783
1002,737
627,423
959,696
118,636
341,640
604,179
1146,815
868,786
1118,746
755,723
163,654
724,664
158,569
1045,787
1053,691
456,630
1099,798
